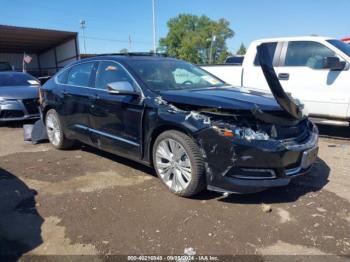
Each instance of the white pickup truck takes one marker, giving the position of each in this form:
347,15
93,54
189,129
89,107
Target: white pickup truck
313,69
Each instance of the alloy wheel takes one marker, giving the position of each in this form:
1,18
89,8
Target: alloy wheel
53,129
173,164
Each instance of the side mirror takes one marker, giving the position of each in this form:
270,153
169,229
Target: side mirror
121,88
334,64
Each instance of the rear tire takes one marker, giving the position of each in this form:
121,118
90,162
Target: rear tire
55,131
179,163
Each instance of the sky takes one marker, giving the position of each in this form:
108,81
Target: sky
110,23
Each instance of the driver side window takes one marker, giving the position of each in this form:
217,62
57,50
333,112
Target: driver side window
307,54
109,72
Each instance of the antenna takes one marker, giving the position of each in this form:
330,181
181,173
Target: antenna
154,26
130,43
83,26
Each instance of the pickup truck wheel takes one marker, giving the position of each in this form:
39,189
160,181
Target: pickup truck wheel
179,163
55,131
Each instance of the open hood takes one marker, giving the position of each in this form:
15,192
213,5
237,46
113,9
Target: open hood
229,98
286,102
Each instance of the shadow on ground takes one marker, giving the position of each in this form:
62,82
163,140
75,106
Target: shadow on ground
116,158
298,187
334,132
16,124
20,223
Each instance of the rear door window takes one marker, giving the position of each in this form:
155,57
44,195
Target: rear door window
271,50
80,75
307,54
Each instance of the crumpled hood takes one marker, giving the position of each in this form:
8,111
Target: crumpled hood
223,97
19,92
287,103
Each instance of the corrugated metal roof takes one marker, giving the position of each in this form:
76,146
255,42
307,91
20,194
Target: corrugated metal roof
15,39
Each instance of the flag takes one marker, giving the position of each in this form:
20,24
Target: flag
27,59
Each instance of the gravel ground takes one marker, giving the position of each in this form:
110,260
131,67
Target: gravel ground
87,202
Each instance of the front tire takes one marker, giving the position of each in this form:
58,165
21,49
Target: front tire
179,163
55,132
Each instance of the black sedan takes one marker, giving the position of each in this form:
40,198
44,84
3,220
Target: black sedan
19,95
195,130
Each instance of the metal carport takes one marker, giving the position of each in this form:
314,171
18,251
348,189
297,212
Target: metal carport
50,49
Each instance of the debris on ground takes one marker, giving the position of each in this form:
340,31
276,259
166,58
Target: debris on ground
321,209
266,208
189,251
35,133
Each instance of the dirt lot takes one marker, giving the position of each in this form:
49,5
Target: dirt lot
84,201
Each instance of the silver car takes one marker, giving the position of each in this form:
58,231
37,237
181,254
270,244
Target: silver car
19,96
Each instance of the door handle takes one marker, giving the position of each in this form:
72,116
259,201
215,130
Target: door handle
283,76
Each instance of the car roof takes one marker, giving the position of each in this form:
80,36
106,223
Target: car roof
12,73
125,58
295,38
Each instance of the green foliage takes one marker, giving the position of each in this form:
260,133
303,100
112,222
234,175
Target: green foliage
242,50
124,51
189,38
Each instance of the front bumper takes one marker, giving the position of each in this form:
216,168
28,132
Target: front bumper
252,166
17,110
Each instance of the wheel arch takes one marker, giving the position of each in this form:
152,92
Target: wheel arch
156,132
45,110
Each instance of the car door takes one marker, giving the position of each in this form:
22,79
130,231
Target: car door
302,74
253,76
116,120
76,92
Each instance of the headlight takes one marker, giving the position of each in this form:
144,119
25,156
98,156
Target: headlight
250,134
4,100
241,133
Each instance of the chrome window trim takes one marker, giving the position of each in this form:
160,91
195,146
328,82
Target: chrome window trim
93,88
68,68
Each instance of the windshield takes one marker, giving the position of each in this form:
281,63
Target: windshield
169,74
344,47
17,79
4,66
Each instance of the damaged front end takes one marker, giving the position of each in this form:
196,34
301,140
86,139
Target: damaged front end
242,153
245,157
247,151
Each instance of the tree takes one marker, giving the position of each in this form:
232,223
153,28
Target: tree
124,51
242,50
190,38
